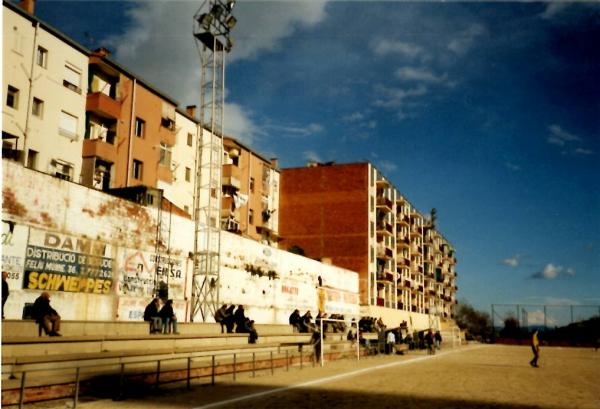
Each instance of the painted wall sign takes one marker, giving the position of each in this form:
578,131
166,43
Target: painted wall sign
14,241
139,271
60,262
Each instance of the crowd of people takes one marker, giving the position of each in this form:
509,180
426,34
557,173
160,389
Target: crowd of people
230,317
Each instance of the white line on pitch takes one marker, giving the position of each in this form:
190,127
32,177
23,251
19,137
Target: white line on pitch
328,379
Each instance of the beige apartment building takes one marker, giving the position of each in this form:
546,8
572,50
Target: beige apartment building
44,76
354,216
250,193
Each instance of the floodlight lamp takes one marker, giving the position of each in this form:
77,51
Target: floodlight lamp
231,22
205,20
217,10
230,44
230,5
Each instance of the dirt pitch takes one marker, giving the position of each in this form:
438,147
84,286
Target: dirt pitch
476,376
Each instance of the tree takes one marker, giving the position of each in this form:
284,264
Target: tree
477,323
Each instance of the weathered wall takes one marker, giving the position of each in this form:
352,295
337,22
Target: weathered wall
97,255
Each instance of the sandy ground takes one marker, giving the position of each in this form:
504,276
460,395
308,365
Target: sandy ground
477,376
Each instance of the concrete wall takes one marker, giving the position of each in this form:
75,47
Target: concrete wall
98,257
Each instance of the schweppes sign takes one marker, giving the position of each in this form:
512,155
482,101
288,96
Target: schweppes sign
59,262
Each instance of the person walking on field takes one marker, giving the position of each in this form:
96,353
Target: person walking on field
535,347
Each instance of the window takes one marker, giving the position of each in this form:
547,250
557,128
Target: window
72,79
67,125
61,169
140,127
32,159
168,123
165,154
251,216
235,160
252,184
41,57
188,174
190,139
138,167
37,108
12,97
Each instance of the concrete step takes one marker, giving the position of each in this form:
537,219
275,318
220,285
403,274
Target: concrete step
29,328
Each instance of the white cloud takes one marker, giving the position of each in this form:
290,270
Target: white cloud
552,9
550,272
387,166
539,318
312,156
158,44
384,47
419,75
392,97
295,131
512,166
240,125
581,151
465,39
559,136
353,117
511,262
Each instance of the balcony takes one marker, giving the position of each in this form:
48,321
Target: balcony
380,302
384,203
385,229
98,148
227,206
103,105
231,176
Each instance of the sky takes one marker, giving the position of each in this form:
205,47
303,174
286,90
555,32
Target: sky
487,111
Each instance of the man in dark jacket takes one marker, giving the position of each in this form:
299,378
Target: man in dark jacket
295,319
5,291
220,316
168,318
151,315
240,320
45,315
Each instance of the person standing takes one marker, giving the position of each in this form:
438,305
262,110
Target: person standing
535,347
45,315
438,340
429,342
5,291
391,341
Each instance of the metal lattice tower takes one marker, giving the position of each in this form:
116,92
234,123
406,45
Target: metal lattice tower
212,23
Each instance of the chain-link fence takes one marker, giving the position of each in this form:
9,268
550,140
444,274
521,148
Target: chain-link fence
541,316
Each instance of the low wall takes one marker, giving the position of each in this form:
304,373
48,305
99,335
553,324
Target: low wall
101,258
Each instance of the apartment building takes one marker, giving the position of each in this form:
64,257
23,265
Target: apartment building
250,193
130,129
43,114
354,216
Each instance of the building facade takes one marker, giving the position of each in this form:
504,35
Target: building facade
352,215
250,193
43,114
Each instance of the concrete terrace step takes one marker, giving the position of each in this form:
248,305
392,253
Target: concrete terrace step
27,328
34,346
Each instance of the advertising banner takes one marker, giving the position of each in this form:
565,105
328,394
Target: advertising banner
61,262
142,272
14,241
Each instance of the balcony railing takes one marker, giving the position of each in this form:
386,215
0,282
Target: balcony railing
231,176
103,105
384,203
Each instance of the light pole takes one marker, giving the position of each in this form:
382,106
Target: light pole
213,23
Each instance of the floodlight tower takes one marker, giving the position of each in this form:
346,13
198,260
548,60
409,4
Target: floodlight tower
212,25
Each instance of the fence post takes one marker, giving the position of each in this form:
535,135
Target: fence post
212,372
189,372
272,370
301,358
234,365
157,374
287,361
121,381
76,396
22,392
254,364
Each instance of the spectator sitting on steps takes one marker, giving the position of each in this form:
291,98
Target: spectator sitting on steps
295,319
151,315
220,316
229,319
239,317
306,324
45,315
169,320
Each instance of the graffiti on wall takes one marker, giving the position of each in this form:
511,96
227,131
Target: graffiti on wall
61,262
142,273
14,240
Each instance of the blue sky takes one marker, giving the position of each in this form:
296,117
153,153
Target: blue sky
489,112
